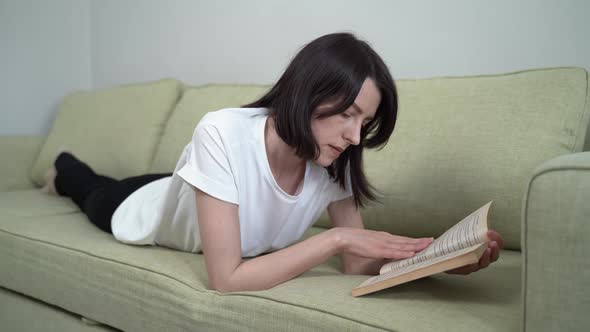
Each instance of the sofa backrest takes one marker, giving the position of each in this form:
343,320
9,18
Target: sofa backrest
115,130
194,103
464,141
459,143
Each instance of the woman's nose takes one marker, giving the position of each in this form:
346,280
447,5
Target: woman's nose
353,135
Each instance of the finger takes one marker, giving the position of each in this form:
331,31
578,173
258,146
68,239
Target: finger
409,247
492,235
409,240
393,254
484,261
396,251
422,242
495,252
495,236
422,246
406,247
427,239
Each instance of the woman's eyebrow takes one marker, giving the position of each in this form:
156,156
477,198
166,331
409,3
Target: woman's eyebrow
360,111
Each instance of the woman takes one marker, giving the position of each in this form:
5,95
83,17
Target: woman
253,179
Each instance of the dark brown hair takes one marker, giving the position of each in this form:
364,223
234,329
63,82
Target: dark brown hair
333,67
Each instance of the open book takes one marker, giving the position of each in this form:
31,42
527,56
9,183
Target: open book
460,245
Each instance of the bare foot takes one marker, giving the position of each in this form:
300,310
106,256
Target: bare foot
49,187
50,175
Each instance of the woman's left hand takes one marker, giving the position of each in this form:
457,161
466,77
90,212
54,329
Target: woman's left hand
489,256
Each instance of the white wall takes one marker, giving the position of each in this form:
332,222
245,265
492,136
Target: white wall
51,47
44,54
252,41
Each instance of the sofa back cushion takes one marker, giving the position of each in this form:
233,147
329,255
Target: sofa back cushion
461,142
114,130
194,103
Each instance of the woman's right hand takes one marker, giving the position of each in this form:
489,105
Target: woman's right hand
377,244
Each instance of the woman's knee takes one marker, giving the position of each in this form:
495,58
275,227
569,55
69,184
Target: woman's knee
99,208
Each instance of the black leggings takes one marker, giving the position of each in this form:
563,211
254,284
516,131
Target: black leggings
96,195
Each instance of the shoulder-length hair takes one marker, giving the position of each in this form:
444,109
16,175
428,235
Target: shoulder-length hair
333,68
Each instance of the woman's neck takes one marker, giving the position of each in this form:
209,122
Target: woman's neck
284,163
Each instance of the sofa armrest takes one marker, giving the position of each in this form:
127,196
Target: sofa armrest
555,236
18,154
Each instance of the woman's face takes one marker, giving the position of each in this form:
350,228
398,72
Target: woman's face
335,133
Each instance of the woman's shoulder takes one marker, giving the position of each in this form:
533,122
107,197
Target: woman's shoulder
233,126
229,117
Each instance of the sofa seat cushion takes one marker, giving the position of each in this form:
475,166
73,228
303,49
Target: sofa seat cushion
56,255
23,313
33,203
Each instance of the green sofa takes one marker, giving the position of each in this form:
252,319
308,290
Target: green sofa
517,138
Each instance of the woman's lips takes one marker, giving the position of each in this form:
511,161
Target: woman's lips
337,150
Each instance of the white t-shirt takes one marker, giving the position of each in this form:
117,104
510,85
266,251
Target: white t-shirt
227,159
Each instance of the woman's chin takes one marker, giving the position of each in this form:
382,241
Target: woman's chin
324,161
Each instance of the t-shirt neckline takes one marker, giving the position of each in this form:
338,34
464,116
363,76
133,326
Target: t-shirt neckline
266,164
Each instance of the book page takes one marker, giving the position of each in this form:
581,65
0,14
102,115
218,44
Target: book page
468,232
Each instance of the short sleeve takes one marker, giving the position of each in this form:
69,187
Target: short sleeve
207,165
338,192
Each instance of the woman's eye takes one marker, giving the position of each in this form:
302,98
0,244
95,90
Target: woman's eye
344,115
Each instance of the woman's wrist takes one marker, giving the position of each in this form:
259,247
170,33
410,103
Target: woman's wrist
336,235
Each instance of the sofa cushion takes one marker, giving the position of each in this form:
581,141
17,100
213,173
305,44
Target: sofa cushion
18,154
33,203
115,130
23,313
196,102
65,260
461,142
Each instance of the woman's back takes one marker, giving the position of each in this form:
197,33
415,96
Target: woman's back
226,159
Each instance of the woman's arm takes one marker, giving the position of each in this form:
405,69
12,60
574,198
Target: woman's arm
220,236
343,213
